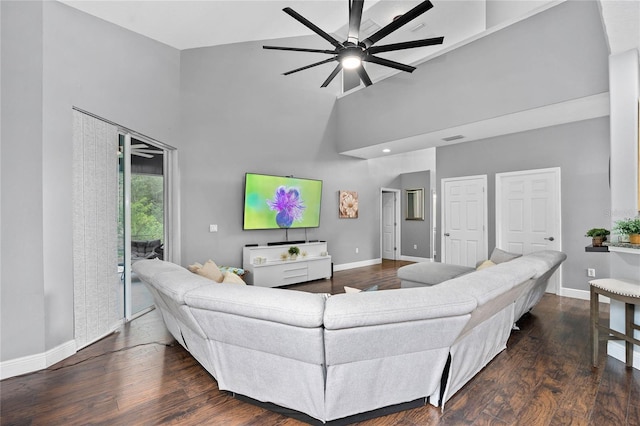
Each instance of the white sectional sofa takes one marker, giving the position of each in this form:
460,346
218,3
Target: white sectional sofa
335,359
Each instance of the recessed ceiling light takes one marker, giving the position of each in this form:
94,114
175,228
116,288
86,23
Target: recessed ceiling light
386,150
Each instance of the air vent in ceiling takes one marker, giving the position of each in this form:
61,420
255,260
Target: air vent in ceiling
453,138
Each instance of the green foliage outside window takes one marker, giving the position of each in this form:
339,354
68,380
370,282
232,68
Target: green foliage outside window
147,209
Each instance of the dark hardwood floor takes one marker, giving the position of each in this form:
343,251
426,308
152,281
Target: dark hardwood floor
139,375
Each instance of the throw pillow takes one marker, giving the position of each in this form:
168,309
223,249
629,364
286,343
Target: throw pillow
210,270
485,264
195,267
501,256
238,271
232,278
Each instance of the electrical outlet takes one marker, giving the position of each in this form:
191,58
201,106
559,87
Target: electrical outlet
415,247
213,228
591,272
357,250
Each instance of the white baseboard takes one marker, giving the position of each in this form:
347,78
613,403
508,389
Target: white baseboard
580,294
30,363
416,259
616,350
575,294
352,265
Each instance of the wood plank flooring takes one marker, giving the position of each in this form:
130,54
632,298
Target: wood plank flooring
140,376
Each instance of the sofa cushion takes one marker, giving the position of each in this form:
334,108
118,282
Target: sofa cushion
501,256
430,273
544,262
176,284
147,269
393,306
279,305
488,283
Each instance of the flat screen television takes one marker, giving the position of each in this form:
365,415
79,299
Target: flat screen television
276,202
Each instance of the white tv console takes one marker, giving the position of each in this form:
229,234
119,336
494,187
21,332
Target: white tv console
266,268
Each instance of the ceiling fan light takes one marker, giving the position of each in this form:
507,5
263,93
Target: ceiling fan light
351,62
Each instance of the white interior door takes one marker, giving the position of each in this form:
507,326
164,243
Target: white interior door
528,213
389,225
464,216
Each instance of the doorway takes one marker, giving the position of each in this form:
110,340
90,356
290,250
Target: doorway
143,226
141,218
464,220
528,214
390,223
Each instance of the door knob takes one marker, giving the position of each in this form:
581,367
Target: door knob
446,234
550,238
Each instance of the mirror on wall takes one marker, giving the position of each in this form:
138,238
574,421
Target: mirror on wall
415,204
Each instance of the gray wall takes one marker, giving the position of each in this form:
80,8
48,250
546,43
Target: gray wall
556,55
580,149
239,114
416,232
22,291
87,63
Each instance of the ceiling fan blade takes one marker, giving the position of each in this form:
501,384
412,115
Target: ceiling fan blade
364,76
406,45
403,19
148,151
299,49
326,61
389,63
355,16
141,154
333,74
304,21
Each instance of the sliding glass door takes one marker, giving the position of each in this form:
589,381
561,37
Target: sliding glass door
142,233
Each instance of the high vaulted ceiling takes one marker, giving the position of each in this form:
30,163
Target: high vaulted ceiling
191,24
186,24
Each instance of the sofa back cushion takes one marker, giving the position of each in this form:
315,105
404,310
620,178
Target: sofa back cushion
393,306
147,269
494,289
271,304
486,284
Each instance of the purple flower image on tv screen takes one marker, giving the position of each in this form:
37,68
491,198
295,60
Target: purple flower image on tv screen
289,205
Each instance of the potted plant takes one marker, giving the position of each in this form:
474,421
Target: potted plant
630,227
294,252
598,236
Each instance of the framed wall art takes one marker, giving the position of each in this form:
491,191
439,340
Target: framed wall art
348,204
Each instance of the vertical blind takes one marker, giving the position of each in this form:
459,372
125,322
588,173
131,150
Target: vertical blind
95,217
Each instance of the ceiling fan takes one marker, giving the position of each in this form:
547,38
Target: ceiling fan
142,150
350,54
